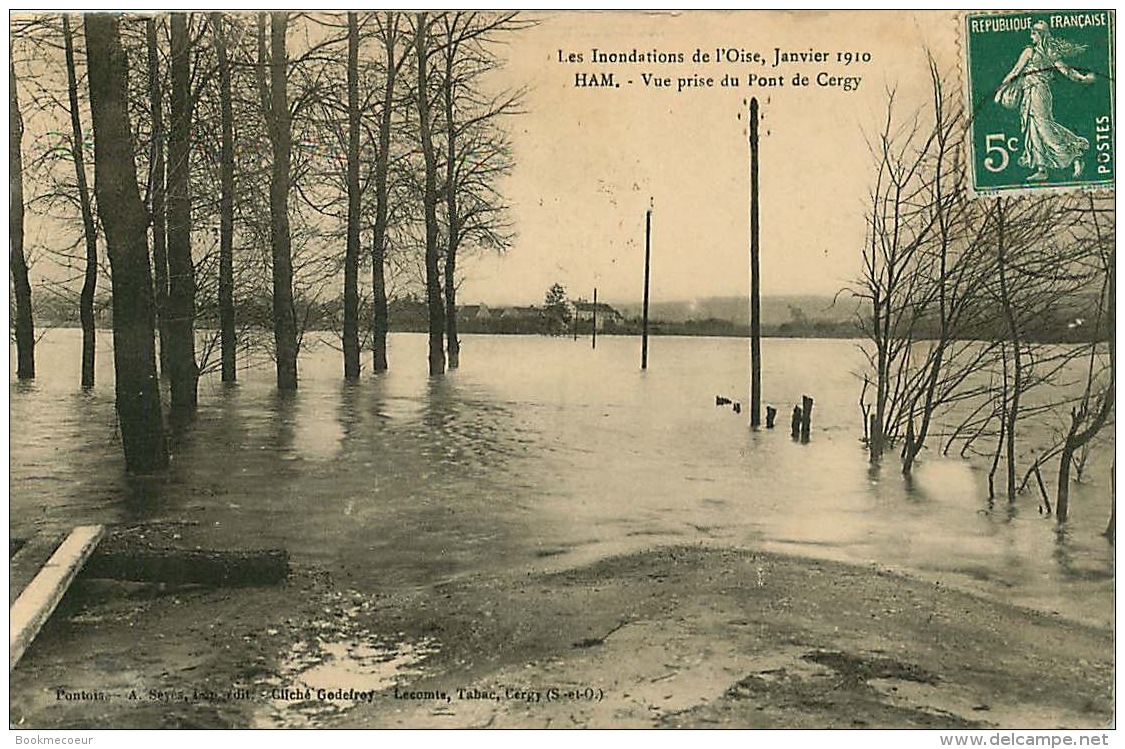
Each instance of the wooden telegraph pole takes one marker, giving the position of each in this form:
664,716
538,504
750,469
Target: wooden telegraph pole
644,313
594,327
755,302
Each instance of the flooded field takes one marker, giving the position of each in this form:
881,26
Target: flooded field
543,454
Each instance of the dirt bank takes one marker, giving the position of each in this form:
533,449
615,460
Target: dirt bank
670,637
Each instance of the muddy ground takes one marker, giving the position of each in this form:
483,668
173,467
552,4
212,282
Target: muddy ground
670,637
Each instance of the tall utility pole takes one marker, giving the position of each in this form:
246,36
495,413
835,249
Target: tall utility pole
644,313
755,282
594,328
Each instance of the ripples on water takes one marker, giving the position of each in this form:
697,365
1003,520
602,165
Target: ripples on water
541,452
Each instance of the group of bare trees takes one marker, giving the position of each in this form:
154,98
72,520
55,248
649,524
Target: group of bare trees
244,157
988,322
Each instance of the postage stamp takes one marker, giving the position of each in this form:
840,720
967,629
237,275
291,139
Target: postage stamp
1039,90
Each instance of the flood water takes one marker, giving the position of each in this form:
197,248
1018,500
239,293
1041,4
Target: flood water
541,453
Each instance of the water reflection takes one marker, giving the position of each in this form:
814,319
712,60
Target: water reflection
146,497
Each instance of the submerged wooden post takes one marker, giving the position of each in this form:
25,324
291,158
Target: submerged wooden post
644,312
771,414
594,328
806,417
795,424
755,284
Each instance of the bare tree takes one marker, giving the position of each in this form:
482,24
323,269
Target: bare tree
476,148
278,117
156,189
1095,404
89,227
898,228
351,254
426,128
125,223
25,326
182,370
226,203
391,36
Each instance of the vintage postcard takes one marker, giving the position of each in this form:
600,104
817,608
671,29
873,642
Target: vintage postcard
553,370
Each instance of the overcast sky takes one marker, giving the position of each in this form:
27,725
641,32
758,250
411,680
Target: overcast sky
588,160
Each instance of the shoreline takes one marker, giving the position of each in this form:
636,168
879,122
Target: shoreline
682,636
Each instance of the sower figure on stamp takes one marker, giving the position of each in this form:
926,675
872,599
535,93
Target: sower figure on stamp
1046,143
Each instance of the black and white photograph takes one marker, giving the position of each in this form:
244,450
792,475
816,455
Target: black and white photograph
505,369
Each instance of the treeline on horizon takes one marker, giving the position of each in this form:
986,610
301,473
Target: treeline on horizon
1073,320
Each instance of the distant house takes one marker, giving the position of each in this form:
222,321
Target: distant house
474,313
522,313
517,320
606,315
474,318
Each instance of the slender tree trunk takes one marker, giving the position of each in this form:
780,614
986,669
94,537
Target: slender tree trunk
183,372
382,167
1000,438
379,314
453,218
1062,497
1075,440
125,223
89,227
156,199
877,431
284,312
351,253
452,344
429,201
1111,527
25,327
228,336
1012,414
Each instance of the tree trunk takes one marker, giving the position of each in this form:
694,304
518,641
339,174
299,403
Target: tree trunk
382,166
351,252
284,312
227,334
379,292
452,344
125,224
89,227
1075,440
429,201
1011,416
1003,410
1062,497
25,327
1111,527
877,435
453,218
156,199
182,370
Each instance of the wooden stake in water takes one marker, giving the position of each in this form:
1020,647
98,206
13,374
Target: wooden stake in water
755,302
806,417
644,312
594,328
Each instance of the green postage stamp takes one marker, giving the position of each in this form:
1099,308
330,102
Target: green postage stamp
1040,100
